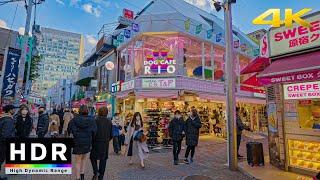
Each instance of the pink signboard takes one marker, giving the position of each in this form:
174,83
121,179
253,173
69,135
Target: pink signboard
309,90
291,77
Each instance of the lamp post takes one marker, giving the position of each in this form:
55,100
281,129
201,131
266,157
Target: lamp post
110,66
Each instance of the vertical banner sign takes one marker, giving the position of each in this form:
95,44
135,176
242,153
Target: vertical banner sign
29,49
135,27
209,33
128,14
115,42
219,37
256,52
264,46
120,38
127,33
10,75
198,29
187,25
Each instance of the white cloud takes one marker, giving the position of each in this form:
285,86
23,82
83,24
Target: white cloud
89,43
60,2
91,10
203,4
102,2
74,2
3,24
117,5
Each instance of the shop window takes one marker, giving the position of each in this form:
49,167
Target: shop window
208,70
193,59
309,114
138,58
219,64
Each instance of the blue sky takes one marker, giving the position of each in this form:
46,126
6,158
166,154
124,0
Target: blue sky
87,16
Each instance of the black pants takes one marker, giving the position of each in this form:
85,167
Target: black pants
192,149
238,142
102,166
41,134
176,149
116,144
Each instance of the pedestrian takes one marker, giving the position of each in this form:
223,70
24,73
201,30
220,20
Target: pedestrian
60,113
136,145
54,124
240,128
100,147
43,122
177,132
24,122
66,119
7,131
117,127
83,129
193,124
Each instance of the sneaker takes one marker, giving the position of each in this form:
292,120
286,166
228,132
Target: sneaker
191,160
186,161
175,163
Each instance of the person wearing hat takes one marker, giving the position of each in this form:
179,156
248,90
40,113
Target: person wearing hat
7,130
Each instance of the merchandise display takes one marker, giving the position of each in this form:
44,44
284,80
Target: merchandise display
304,155
309,114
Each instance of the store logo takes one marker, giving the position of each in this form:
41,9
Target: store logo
288,20
38,156
159,62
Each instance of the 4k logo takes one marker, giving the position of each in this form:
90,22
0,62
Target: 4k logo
288,19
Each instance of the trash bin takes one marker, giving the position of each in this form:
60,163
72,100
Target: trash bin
255,156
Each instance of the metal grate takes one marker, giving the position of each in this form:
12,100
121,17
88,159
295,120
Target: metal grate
271,93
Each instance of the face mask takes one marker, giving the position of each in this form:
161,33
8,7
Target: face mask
138,118
40,112
178,116
24,112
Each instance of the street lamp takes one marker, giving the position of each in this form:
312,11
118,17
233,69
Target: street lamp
110,66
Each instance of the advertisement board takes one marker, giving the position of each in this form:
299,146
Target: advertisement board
308,90
127,85
160,83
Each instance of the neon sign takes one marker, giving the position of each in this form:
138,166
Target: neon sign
159,62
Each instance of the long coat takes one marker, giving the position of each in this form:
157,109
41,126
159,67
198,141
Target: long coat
176,128
83,129
43,124
23,127
6,131
100,145
138,148
192,131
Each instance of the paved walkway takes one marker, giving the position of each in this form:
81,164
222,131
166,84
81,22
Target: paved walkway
210,161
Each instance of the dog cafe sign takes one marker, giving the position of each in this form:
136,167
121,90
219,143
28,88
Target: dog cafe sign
159,62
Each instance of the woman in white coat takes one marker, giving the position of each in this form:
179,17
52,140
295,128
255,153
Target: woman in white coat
136,147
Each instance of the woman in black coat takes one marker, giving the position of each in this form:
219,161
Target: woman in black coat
23,122
193,124
100,146
83,129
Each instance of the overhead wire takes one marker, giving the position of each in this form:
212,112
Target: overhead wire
10,30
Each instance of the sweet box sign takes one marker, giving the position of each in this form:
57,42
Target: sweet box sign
158,83
309,90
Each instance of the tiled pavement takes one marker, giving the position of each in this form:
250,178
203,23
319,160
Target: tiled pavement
210,160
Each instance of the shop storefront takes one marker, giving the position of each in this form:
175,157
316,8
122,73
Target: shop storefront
293,97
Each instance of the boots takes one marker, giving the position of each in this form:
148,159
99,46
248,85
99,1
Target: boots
81,176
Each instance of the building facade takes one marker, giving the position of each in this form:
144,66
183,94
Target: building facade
61,52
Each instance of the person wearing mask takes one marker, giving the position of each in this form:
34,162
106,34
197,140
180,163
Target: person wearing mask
117,126
24,122
134,146
176,132
66,119
100,146
83,128
43,122
54,124
240,128
193,124
6,131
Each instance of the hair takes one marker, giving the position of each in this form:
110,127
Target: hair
103,111
237,109
116,114
177,112
22,107
83,110
134,119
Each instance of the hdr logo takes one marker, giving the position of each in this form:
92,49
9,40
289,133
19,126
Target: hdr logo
38,156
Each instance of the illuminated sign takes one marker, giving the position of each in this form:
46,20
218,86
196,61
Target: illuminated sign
128,14
159,62
127,85
309,90
161,83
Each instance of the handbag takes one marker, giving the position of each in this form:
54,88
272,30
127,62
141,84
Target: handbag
138,135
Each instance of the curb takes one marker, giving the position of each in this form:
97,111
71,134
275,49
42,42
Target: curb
246,173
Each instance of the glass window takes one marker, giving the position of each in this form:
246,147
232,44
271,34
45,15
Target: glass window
208,67
309,114
193,58
219,64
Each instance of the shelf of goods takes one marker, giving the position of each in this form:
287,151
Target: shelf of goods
304,155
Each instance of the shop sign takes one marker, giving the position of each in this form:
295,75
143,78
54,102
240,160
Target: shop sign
264,46
285,40
135,27
94,83
219,37
128,14
309,90
161,83
198,29
305,102
293,77
127,33
187,24
127,85
116,87
125,21
159,62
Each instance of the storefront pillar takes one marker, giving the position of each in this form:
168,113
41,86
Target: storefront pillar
212,60
203,60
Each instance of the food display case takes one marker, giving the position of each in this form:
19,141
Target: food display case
304,155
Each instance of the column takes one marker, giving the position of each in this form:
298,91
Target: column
203,60
212,60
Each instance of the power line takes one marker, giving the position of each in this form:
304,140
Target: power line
8,1
12,22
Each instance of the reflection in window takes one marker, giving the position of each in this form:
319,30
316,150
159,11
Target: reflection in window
193,58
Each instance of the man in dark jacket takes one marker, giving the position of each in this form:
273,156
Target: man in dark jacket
240,128
43,122
176,132
193,124
6,131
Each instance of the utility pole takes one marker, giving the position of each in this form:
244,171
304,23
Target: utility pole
231,86
24,52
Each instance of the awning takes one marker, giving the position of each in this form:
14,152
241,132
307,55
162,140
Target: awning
214,97
257,65
123,94
251,89
172,94
305,67
252,81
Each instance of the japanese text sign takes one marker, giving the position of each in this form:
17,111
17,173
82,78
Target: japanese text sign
10,75
160,83
309,90
128,14
285,40
127,85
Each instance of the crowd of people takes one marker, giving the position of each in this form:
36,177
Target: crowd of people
92,134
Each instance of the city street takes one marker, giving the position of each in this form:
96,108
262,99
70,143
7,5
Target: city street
210,161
